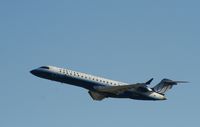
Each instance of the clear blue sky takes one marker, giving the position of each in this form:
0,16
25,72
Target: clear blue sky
129,41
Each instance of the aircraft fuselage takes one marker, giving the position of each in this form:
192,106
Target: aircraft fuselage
91,83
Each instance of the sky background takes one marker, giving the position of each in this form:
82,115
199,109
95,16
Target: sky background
129,41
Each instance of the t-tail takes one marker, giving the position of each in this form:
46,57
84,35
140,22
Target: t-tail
165,85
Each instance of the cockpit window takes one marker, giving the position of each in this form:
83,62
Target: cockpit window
44,67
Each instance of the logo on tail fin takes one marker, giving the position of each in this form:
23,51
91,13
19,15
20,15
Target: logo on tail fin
165,85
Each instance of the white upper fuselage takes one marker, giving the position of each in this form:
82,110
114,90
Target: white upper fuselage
94,84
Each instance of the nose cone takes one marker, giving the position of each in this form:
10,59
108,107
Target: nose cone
39,73
34,72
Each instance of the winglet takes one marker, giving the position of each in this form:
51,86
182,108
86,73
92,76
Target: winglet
149,82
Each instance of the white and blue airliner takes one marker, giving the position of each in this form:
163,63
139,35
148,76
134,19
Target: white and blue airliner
100,88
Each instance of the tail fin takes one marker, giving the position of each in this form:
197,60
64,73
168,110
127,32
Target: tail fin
165,85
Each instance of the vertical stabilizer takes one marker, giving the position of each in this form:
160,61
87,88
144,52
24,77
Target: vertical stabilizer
165,85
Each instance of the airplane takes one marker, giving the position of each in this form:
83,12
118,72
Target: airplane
100,88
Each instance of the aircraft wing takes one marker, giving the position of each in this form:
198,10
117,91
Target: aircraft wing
120,89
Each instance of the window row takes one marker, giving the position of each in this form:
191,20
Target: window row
81,75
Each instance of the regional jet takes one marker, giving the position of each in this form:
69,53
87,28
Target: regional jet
100,88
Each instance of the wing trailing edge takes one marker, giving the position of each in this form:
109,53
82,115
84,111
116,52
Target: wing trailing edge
149,82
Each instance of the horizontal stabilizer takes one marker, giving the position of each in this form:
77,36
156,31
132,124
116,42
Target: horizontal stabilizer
175,82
